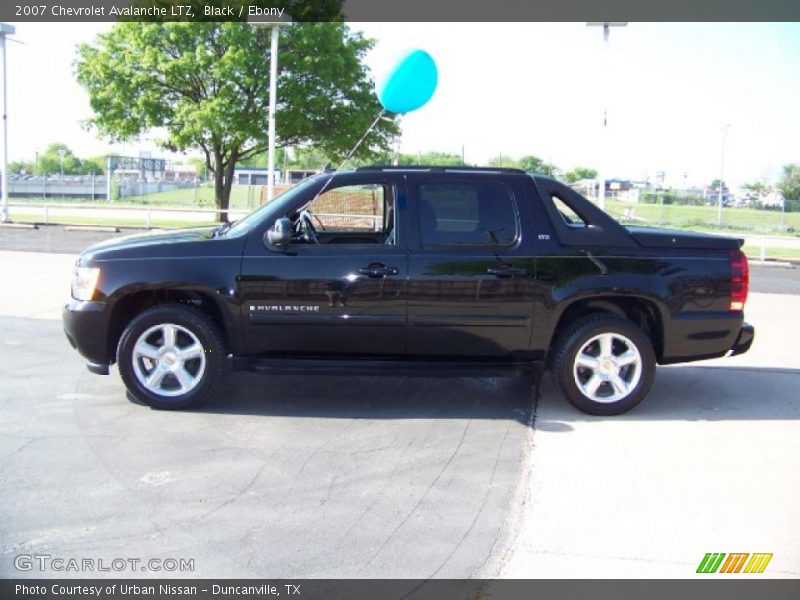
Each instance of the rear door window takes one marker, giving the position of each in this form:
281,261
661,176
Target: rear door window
467,214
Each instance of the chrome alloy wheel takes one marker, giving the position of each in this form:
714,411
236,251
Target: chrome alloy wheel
168,360
607,368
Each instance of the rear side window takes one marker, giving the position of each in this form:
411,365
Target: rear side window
466,214
569,216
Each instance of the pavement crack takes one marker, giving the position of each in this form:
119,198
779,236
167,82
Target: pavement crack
238,495
425,494
478,513
521,500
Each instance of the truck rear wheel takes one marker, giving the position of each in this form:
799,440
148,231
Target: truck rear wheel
604,365
171,356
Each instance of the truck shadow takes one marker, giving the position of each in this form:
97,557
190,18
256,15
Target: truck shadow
682,393
379,397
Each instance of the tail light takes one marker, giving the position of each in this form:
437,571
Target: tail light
740,279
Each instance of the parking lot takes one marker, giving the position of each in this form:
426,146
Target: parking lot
315,476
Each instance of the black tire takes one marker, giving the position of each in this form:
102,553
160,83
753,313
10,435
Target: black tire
189,321
613,400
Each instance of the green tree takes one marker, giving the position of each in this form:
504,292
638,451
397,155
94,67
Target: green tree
95,165
505,162
261,158
20,166
307,158
534,164
579,173
51,160
433,159
715,186
206,84
528,163
49,163
199,165
756,187
789,184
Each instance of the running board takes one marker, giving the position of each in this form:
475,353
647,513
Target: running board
402,368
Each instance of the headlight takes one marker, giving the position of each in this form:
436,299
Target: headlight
84,280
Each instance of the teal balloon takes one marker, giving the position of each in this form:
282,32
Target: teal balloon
410,84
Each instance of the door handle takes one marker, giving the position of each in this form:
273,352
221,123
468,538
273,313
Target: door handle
377,270
505,271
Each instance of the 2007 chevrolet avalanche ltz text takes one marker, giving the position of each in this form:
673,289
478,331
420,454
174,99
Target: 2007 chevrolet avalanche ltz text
419,270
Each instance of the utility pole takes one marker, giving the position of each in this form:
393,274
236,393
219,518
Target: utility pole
5,29
108,178
602,175
274,25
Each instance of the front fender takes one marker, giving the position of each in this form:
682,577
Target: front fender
127,286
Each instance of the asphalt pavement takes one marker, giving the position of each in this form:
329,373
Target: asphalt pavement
280,477
55,238
393,477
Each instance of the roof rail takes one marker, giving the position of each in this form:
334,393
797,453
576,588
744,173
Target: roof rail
440,169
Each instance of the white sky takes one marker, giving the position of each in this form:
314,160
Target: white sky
522,88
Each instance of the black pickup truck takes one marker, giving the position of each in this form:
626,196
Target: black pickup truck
423,270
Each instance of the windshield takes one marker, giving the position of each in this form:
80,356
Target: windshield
278,204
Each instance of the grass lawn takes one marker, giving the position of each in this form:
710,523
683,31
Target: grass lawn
734,220
242,197
754,252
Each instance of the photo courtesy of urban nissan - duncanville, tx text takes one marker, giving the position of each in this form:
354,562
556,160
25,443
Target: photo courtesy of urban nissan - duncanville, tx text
419,270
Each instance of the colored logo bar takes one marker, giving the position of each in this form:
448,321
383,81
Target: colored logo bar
714,562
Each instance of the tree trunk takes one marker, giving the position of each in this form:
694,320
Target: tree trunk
223,181
221,198
228,181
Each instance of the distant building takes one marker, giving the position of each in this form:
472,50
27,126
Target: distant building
618,185
180,172
295,175
773,199
589,187
254,175
711,196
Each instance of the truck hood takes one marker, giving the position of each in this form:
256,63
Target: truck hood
198,241
651,237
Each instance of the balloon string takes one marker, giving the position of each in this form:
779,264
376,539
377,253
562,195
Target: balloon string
359,142
352,151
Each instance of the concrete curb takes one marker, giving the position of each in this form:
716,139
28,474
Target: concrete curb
19,225
771,263
92,228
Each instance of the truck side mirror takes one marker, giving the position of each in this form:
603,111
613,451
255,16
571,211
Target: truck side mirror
279,235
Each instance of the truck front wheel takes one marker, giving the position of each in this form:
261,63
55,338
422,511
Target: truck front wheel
604,365
171,356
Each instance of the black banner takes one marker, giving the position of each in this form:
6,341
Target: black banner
394,10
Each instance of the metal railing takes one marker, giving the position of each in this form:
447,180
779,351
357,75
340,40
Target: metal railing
151,213
48,209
